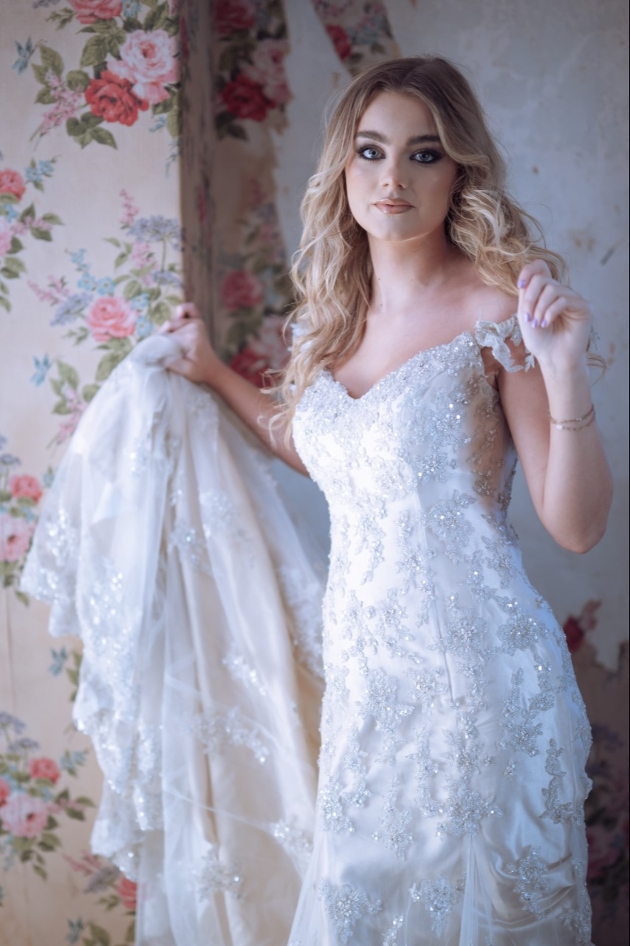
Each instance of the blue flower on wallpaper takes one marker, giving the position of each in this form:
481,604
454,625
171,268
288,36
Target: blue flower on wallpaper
35,173
25,53
156,228
78,257
75,928
59,659
87,281
72,308
141,303
131,8
105,286
144,327
42,367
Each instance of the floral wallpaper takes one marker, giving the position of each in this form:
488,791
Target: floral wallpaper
140,170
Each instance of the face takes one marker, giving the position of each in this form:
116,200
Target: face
399,177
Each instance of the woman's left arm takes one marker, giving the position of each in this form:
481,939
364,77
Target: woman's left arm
549,411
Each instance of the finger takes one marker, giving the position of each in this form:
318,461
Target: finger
546,297
187,310
530,295
556,308
536,267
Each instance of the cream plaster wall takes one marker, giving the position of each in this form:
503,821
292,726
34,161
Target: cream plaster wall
552,77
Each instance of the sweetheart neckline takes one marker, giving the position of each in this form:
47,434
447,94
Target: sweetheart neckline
390,374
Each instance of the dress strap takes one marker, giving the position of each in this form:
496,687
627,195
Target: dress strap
495,335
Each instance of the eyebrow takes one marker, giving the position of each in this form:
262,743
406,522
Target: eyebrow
383,139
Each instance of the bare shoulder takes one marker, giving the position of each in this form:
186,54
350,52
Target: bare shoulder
489,304
483,302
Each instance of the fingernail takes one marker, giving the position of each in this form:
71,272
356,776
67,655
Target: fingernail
528,316
535,323
543,324
522,283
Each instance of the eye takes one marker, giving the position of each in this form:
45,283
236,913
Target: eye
427,157
369,153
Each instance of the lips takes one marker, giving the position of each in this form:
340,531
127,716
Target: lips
387,206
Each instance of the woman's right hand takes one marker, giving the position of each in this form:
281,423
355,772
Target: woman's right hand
199,362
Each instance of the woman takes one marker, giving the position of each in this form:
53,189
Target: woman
454,737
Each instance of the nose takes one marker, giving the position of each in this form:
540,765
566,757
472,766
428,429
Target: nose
393,175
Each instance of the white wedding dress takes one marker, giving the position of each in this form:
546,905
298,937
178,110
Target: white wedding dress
454,738
165,545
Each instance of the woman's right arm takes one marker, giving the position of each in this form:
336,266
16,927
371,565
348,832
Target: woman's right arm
201,363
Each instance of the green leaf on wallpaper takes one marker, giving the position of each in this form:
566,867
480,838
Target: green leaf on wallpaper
41,234
98,936
48,841
160,313
121,258
16,245
104,137
160,108
94,51
5,496
74,127
113,240
12,267
51,60
75,813
172,122
68,375
132,289
88,391
40,73
132,24
156,19
77,80
40,871
52,218
84,800
107,364
62,18
27,212
5,303
45,96
61,408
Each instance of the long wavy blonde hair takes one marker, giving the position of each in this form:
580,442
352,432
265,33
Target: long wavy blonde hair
332,270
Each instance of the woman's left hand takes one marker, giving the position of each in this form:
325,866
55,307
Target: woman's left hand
555,321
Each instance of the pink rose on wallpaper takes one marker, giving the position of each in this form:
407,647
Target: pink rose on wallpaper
15,538
24,816
269,342
127,890
148,61
267,69
44,768
340,40
110,318
89,11
241,290
112,98
22,485
12,182
230,15
246,99
5,791
6,235
250,365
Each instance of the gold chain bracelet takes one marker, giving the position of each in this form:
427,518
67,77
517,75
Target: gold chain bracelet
575,423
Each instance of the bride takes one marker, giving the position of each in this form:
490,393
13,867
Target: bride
434,341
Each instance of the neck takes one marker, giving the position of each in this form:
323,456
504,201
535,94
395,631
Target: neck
403,271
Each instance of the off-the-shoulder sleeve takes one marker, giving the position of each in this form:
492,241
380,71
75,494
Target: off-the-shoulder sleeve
495,335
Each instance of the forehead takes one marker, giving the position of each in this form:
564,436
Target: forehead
393,112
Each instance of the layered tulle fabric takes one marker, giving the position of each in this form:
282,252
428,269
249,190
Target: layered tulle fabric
165,546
